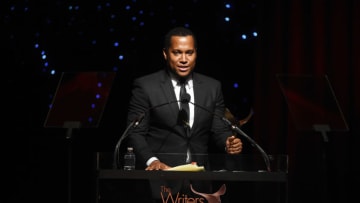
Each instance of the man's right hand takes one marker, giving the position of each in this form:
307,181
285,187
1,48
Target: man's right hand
157,165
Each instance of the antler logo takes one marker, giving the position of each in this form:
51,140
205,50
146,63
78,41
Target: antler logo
211,198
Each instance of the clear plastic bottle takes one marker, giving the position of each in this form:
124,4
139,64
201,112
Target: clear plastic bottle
129,159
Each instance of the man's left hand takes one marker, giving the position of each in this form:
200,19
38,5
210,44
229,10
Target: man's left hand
233,145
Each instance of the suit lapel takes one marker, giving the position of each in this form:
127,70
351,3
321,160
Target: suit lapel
199,95
169,93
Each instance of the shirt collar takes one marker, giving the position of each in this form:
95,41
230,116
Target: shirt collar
175,82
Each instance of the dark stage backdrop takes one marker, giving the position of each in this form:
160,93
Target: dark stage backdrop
310,38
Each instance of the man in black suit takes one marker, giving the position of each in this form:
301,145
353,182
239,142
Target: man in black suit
163,139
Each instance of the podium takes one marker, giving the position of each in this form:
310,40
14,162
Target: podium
244,176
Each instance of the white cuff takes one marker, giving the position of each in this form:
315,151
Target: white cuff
151,160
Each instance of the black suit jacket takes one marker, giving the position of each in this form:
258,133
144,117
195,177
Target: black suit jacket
159,133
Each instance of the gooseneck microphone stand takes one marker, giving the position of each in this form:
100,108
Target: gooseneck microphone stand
262,152
134,124
237,130
116,160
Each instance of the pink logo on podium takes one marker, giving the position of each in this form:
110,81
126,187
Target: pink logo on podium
211,198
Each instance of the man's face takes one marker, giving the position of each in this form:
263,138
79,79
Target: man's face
181,55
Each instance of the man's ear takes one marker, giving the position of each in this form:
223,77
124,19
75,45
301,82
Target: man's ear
164,53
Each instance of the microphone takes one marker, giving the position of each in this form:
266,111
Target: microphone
185,98
135,124
235,128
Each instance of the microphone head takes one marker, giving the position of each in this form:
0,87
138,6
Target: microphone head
185,98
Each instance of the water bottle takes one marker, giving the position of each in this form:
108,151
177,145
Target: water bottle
129,159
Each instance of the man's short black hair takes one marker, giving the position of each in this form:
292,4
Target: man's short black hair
178,31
